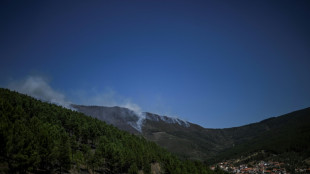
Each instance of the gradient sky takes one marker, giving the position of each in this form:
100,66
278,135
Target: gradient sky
215,63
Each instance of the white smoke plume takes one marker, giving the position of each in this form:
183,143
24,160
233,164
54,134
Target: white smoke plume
134,107
39,88
109,97
105,97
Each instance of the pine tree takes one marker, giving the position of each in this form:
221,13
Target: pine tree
133,169
64,153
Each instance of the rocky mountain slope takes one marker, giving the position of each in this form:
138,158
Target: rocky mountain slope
192,141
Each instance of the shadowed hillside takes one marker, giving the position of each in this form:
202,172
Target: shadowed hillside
289,132
287,136
39,137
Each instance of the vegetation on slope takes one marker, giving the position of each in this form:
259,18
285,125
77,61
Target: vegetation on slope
286,139
40,137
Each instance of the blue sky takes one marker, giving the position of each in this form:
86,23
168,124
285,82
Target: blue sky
215,63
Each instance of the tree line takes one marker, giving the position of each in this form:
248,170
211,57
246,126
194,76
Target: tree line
41,137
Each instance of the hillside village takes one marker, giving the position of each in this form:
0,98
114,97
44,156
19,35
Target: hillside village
268,167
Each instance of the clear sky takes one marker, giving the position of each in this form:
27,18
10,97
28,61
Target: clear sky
215,63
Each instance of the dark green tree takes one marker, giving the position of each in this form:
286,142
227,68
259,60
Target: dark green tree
133,169
64,152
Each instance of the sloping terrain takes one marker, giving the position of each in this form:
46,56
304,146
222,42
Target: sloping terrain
39,137
287,135
122,118
188,140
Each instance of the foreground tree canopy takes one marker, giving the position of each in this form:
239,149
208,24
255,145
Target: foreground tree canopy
40,137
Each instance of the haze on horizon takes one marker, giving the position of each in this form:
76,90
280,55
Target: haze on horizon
215,63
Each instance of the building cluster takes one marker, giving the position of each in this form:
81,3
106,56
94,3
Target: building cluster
269,167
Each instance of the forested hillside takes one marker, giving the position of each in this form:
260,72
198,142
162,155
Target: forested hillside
287,137
40,137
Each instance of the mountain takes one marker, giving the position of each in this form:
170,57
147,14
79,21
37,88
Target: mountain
126,119
289,132
36,137
122,118
40,137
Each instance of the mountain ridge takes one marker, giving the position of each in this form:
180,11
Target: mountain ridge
40,137
193,141
125,118
157,117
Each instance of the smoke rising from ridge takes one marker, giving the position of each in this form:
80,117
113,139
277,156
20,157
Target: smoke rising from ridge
110,98
104,97
39,88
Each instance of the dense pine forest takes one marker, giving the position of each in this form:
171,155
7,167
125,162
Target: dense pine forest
40,137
